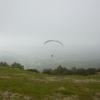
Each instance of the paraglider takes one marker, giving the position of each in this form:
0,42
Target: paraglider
53,41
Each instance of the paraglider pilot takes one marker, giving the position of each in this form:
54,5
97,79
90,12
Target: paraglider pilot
51,55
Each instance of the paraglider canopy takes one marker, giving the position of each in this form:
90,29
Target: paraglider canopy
53,41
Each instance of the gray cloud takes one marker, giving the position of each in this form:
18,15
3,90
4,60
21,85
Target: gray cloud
32,22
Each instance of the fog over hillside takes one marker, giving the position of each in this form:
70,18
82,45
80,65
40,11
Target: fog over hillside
40,57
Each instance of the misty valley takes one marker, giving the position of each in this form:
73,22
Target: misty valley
41,58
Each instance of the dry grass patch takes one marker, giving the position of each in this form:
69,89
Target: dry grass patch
5,95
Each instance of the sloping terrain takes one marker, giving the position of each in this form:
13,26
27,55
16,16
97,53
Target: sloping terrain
23,85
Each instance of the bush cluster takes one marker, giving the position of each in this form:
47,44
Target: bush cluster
73,71
13,65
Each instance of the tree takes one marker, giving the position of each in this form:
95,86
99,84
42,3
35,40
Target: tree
4,64
47,71
17,65
58,70
61,70
81,71
91,71
73,70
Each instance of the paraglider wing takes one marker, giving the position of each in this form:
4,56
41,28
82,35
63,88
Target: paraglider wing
53,41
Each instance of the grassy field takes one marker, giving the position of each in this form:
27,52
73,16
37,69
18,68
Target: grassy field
24,85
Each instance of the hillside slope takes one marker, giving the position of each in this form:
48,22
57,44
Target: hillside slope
23,85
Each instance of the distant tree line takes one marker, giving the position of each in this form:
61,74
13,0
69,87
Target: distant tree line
73,71
58,71
13,65
17,66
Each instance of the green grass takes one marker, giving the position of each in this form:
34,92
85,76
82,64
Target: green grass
47,87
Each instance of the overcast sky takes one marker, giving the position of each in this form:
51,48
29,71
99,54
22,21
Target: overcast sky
32,22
